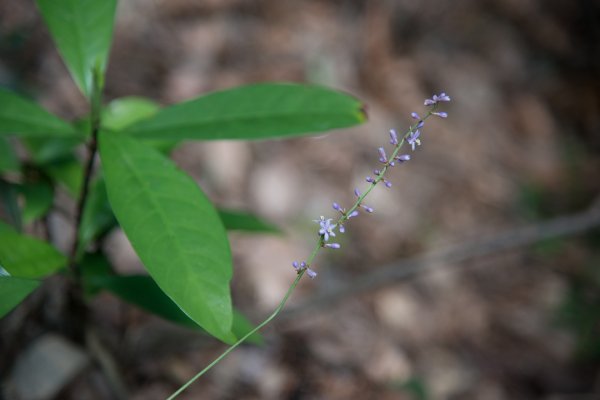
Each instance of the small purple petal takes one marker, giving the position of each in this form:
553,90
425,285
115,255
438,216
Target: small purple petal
377,172
441,114
353,214
302,265
296,265
367,208
333,245
413,139
312,274
326,227
443,97
336,207
342,229
403,158
357,192
382,156
393,137
429,102
387,183
415,116
420,124
369,179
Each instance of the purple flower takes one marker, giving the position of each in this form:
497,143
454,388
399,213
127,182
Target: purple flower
402,158
337,207
353,214
440,114
393,137
357,192
416,116
311,274
342,228
333,245
382,155
367,208
326,227
299,267
441,97
436,99
413,139
369,179
387,183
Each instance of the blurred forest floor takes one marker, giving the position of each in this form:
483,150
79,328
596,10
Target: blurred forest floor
521,145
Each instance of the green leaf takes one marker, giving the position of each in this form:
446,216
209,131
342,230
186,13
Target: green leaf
94,266
254,112
82,31
55,157
174,229
242,221
241,326
68,172
9,193
123,112
39,197
97,215
143,292
49,150
13,291
19,116
26,257
8,159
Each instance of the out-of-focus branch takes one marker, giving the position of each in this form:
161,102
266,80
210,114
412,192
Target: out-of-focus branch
399,271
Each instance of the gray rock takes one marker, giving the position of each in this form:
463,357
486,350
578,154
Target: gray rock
45,367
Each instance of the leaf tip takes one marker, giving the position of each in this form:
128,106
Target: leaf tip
363,114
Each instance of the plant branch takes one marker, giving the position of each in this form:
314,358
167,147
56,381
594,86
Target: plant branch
87,177
95,110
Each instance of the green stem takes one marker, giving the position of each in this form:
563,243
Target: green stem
243,338
95,115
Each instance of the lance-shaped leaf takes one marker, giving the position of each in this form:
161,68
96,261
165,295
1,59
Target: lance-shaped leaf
9,162
22,117
13,291
120,113
174,229
82,31
243,221
68,172
98,218
257,111
39,197
9,204
97,215
123,112
26,257
50,150
143,292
